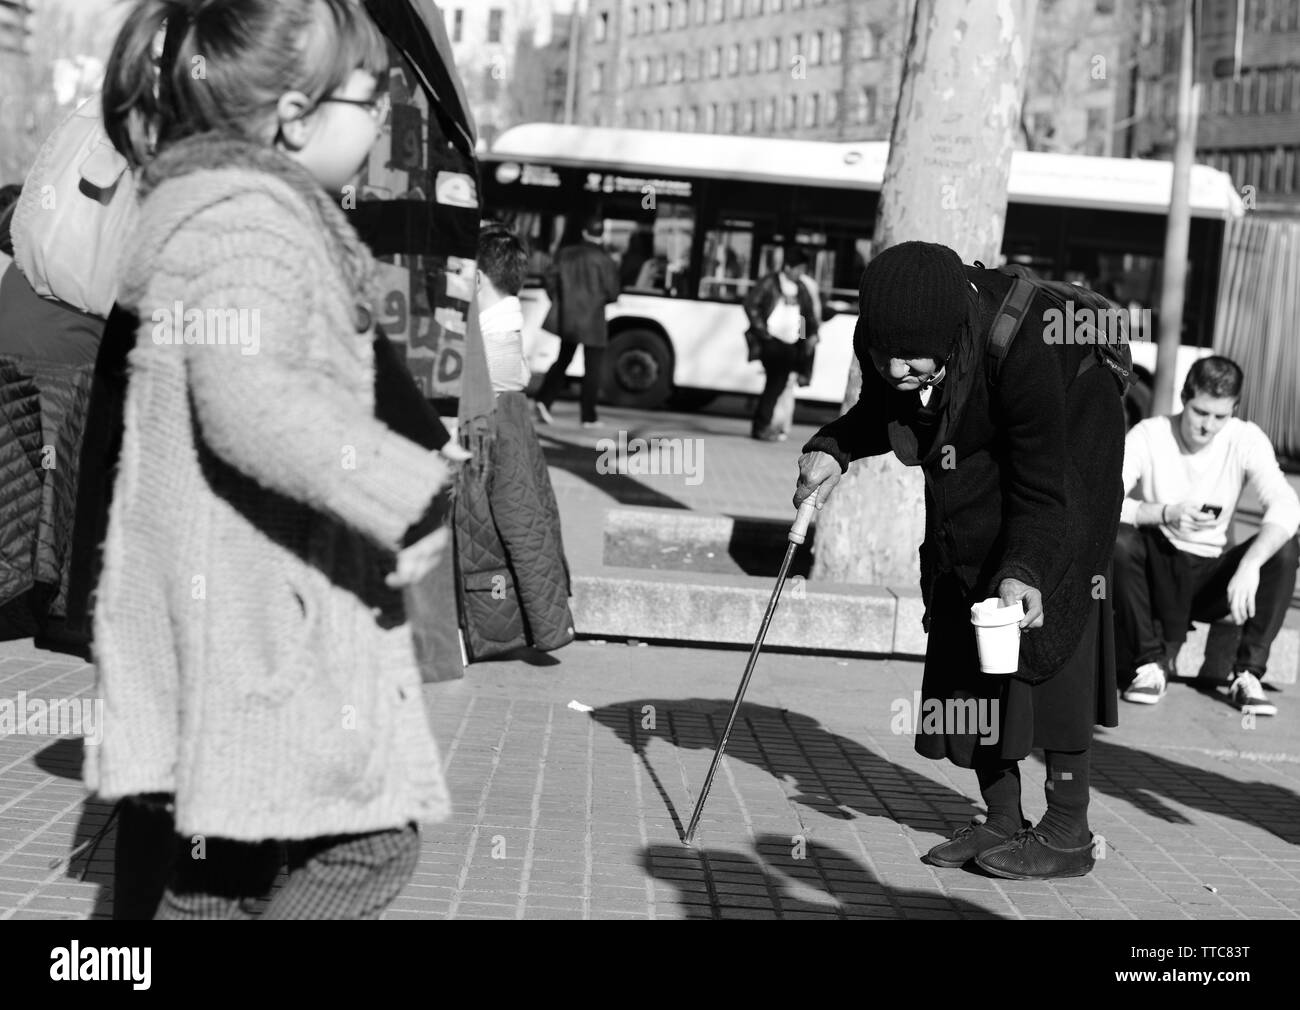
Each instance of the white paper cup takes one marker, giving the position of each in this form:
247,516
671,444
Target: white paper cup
997,635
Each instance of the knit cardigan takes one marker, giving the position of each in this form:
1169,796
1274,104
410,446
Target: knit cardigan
250,657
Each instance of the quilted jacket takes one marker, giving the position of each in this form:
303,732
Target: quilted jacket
42,417
514,580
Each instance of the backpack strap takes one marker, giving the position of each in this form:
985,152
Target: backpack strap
1007,323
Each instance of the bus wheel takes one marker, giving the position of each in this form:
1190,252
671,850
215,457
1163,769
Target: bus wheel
638,370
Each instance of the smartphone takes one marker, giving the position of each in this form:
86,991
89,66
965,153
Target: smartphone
1214,510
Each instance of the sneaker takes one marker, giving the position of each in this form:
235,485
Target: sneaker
543,414
1148,685
1029,856
1248,695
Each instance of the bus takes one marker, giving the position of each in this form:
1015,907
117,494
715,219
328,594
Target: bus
694,220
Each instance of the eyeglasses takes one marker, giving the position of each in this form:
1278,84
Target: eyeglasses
378,107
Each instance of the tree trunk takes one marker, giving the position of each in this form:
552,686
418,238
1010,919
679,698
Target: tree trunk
946,181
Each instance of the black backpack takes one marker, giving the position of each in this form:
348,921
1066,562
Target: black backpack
1110,342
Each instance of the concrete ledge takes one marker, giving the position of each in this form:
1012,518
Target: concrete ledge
727,610
877,620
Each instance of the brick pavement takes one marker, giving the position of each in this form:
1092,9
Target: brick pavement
820,811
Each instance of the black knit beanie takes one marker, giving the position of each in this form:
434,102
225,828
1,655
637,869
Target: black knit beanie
914,300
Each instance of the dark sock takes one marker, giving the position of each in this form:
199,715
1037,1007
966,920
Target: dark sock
1000,787
1065,824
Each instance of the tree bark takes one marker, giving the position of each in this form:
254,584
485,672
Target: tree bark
946,181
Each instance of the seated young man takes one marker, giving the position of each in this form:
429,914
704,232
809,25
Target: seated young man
1183,475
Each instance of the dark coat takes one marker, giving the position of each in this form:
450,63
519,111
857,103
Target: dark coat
513,575
1031,486
580,283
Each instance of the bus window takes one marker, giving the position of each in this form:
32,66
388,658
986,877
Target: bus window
724,273
653,258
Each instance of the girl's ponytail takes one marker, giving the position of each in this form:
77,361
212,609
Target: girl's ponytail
132,110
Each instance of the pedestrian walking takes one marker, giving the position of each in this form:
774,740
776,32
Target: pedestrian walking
580,283
1184,475
1022,503
253,651
783,318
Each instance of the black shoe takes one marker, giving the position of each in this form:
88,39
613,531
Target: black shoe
966,844
1028,856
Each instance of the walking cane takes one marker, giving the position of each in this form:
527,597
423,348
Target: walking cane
798,533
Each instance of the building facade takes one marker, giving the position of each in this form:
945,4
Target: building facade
1248,70
513,59
813,69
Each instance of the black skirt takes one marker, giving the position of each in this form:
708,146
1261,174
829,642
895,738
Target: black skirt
972,713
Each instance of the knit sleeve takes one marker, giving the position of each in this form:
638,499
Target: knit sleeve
263,407
862,430
1265,477
1031,396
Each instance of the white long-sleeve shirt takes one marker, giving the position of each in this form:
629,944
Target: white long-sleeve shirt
1157,470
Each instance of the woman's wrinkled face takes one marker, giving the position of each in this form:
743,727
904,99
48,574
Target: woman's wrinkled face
905,374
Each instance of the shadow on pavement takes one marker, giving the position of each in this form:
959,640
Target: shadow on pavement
90,857
821,770
790,880
1145,780
581,461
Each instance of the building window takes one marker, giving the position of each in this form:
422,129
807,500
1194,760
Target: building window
601,30
769,114
598,77
747,123
777,5
737,8
812,110
1144,26
774,54
815,49
733,60
701,11
633,20
832,108
796,48
692,118
679,67
457,25
661,70
729,118
665,17
719,10
645,70
683,14
711,118
643,119
659,119
495,17
871,42
796,5
867,108
835,51
715,61
675,119
752,56
792,111
757,8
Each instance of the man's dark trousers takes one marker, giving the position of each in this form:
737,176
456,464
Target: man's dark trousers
779,360
593,361
1159,590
